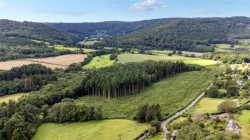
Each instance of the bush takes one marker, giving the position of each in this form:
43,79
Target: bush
233,90
213,92
228,107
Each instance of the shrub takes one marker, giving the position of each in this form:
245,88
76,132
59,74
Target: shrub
227,106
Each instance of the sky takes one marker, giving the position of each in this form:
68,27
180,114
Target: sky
118,10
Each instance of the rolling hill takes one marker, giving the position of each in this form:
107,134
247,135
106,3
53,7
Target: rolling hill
105,29
22,33
190,34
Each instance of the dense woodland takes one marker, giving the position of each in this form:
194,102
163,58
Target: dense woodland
185,34
29,30
26,78
127,79
105,29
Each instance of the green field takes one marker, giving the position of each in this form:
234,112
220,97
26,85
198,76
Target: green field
89,42
14,97
93,130
171,93
210,105
125,58
244,121
62,48
99,62
223,48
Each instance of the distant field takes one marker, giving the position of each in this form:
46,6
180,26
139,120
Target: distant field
94,130
89,42
244,121
62,48
170,51
99,62
53,62
223,48
125,58
171,93
14,97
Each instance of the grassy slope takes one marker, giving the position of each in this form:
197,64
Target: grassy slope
125,58
93,130
62,48
14,97
89,42
244,122
171,93
100,61
210,105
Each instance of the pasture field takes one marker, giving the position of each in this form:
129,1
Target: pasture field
125,58
210,105
244,121
99,62
14,97
223,48
198,54
93,130
89,42
171,94
62,61
63,48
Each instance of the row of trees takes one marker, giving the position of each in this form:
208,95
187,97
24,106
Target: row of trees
127,79
231,58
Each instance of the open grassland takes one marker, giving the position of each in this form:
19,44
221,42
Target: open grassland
63,48
244,121
171,93
99,62
14,97
170,51
223,48
94,130
62,61
210,105
88,42
125,58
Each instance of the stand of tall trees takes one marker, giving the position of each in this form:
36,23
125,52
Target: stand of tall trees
127,79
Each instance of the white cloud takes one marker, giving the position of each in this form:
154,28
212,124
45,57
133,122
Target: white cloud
148,5
2,5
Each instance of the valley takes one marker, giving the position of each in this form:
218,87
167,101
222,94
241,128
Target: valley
169,78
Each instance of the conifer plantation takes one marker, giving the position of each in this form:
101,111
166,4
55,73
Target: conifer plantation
128,79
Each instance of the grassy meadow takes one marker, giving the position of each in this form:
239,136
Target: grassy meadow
171,93
125,58
63,48
14,97
102,130
244,121
210,105
89,42
99,62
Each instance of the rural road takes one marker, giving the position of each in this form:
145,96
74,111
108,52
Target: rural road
178,114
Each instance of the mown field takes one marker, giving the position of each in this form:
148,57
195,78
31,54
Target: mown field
62,61
63,48
94,130
172,94
244,121
210,105
14,97
89,42
99,62
125,58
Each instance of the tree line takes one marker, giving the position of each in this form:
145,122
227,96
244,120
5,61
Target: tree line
127,79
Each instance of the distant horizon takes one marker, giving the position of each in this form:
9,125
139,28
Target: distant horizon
82,11
130,21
